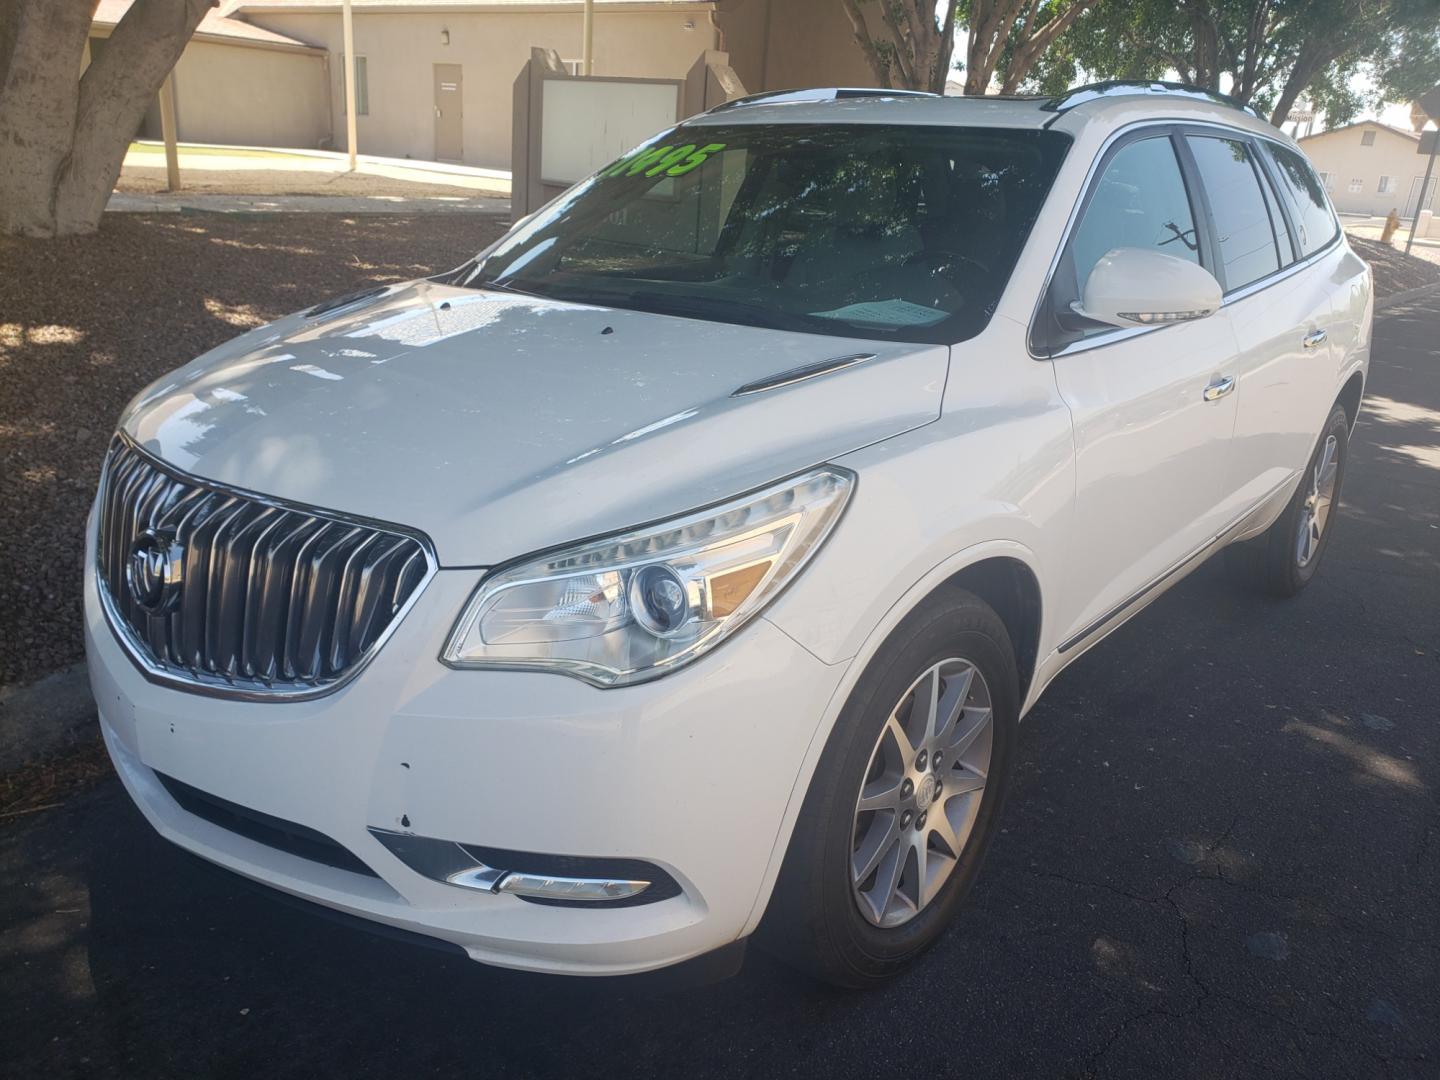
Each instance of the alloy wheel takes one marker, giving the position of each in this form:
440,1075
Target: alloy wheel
921,793
1315,511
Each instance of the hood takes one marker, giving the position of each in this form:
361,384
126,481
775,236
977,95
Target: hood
500,424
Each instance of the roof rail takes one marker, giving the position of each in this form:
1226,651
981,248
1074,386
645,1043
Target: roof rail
825,93
1122,87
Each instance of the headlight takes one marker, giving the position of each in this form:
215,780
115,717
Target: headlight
644,603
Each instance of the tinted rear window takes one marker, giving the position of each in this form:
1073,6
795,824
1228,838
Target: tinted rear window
1313,220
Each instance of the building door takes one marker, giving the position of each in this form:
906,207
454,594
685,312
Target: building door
449,143
1409,207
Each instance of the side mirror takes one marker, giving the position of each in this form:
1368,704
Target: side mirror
1140,287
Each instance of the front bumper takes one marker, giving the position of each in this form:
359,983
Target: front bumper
693,773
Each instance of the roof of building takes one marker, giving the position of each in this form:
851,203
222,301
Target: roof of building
450,6
213,27
1363,124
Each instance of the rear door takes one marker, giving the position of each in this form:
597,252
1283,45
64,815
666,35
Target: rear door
1281,282
1152,409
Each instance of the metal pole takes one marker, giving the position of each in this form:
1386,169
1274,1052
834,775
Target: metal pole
348,30
1420,199
587,49
167,132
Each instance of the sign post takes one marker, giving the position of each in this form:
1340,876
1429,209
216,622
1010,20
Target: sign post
587,44
1429,143
347,33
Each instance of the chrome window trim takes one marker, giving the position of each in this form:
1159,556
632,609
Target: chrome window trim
1118,334
165,676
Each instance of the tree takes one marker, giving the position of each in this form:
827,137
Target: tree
1272,51
915,48
1010,37
63,136
913,45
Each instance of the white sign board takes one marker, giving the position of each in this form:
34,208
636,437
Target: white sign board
591,122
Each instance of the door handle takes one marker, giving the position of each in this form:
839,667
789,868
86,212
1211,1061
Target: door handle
1219,388
1314,339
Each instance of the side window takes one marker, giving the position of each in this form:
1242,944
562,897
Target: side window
1138,202
1243,227
1289,253
1313,220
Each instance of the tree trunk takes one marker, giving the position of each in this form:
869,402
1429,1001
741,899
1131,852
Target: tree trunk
879,64
1314,58
63,136
990,24
913,51
1028,52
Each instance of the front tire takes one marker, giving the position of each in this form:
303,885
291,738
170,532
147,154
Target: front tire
889,839
1283,559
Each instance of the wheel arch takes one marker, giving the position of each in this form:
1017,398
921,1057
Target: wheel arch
1009,586
1351,395
1004,574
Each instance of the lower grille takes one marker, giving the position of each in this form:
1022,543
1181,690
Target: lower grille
264,829
236,593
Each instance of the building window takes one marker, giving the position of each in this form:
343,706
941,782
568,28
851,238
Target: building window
1328,179
1367,139
1387,185
362,88
1357,186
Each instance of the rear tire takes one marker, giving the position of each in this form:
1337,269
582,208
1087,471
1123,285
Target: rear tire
859,932
1282,560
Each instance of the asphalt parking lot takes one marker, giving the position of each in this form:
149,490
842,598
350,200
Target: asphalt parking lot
1221,858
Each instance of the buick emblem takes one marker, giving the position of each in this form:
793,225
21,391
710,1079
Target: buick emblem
153,573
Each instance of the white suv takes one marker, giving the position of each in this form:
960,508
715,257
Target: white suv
681,566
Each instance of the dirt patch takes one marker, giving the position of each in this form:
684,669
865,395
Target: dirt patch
86,322
46,784
1394,270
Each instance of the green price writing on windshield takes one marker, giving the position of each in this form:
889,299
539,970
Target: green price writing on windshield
669,160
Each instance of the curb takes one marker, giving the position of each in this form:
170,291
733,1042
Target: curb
1408,294
41,718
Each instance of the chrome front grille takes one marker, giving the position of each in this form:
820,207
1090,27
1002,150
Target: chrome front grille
239,594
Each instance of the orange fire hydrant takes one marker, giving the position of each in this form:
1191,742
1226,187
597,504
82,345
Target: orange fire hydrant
1392,222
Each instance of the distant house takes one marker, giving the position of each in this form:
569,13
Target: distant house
1370,168
412,55
238,83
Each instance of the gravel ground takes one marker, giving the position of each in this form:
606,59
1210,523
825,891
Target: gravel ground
1394,270
86,322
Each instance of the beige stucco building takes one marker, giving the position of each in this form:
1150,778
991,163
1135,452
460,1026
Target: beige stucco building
239,83
269,72
1370,168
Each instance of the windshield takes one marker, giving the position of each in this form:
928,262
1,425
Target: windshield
905,233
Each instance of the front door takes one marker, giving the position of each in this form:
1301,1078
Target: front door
1153,411
1413,197
449,113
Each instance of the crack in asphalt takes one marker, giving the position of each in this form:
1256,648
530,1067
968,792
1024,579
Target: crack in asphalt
1203,990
